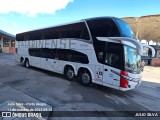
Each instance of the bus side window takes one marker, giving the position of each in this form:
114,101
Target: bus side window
76,30
20,37
69,57
112,59
34,52
36,35
51,53
107,28
52,33
80,57
100,56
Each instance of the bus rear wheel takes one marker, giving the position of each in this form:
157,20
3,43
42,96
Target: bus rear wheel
69,73
22,60
26,63
85,78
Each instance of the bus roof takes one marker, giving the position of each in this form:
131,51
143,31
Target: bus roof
97,18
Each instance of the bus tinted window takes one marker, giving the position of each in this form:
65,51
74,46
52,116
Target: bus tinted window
125,28
20,37
37,35
112,59
34,52
44,53
51,53
103,28
76,30
60,54
72,56
51,33
110,54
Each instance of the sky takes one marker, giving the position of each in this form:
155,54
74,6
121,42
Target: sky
18,16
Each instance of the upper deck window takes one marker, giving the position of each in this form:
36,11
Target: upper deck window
75,30
125,28
103,28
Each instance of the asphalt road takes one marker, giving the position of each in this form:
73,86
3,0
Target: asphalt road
21,85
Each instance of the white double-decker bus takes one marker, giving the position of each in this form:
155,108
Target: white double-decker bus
96,50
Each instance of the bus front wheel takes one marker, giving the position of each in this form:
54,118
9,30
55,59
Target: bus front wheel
85,78
69,73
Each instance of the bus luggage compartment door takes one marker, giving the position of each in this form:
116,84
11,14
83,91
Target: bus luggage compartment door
56,64
47,64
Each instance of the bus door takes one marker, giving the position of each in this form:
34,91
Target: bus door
111,75
35,61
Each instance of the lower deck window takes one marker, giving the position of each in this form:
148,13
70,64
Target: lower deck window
60,54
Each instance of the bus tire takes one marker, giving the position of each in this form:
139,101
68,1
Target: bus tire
85,78
26,63
69,73
21,60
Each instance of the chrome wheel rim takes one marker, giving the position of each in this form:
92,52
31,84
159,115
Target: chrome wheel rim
86,78
27,64
70,74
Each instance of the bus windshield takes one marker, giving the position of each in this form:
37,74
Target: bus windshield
125,28
132,60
